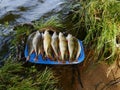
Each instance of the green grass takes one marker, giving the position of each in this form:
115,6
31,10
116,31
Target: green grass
52,22
21,32
96,22
14,76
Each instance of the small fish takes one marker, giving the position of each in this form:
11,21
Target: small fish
41,46
77,49
71,47
55,45
37,43
30,45
47,45
62,46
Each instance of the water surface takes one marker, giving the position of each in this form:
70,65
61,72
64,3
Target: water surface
23,11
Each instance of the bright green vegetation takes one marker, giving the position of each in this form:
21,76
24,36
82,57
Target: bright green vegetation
97,22
53,22
15,76
21,32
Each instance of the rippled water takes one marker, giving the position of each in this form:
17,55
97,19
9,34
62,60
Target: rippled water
27,10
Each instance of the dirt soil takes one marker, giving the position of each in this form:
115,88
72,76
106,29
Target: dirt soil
93,78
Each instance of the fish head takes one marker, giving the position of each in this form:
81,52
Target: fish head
54,35
60,35
69,36
46,32
37,33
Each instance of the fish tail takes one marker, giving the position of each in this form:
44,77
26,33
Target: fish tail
43,56
79,50
28,58
33,51
36,58
63,57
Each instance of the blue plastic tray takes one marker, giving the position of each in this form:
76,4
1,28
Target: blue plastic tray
48,61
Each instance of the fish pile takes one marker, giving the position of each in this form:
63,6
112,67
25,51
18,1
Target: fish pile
55,46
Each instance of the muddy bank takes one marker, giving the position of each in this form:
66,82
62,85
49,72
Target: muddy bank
95,78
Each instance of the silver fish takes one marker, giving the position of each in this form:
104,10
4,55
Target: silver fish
77,50
55,45
30,45
47,45
62,46
41,47
37,44
71,47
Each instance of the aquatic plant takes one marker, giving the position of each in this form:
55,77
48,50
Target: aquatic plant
97,23
15,76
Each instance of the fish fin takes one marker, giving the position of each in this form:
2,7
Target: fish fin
55,58
28,58
43,57
78,56
76,60
51,58
59,61
59,53
67,41
33,51
63,61
70,61
36,58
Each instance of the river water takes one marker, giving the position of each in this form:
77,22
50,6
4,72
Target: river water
26,11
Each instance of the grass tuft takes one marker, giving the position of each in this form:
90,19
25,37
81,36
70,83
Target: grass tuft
14,76
97,22
53,22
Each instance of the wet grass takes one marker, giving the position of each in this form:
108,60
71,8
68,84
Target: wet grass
97,24
15,76
51,23
9,17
